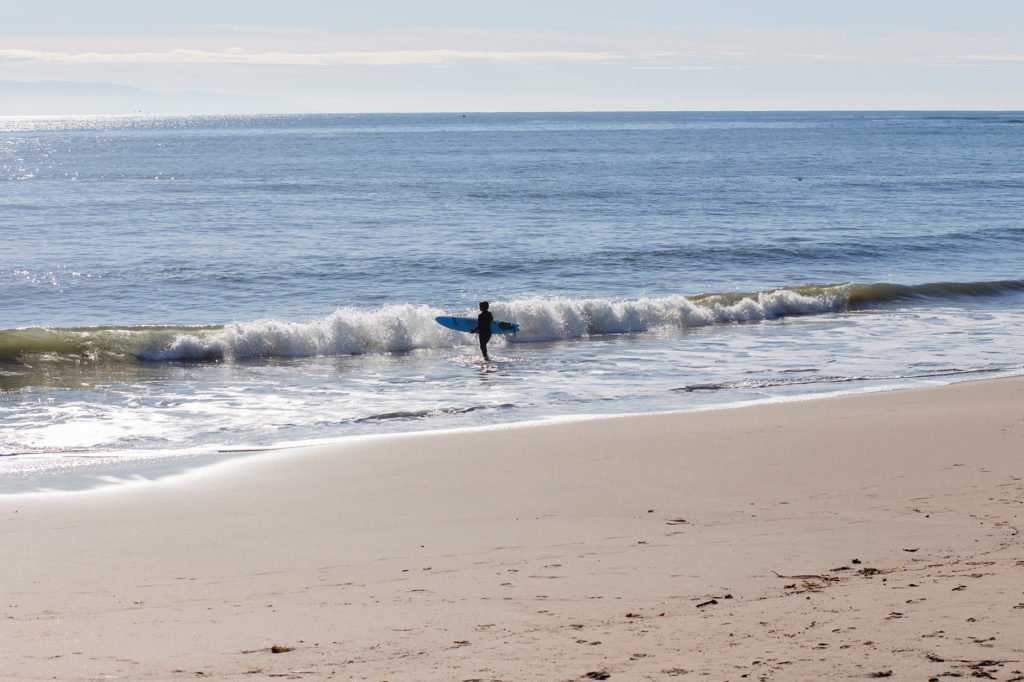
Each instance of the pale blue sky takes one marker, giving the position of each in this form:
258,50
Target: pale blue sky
395,55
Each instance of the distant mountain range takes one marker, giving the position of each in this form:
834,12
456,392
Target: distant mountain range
66,97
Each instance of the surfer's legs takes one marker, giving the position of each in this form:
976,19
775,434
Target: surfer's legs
483,345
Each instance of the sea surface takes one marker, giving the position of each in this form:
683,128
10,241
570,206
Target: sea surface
176,290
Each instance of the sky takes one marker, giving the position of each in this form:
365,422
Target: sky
530,55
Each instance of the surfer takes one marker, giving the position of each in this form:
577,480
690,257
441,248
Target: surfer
483,327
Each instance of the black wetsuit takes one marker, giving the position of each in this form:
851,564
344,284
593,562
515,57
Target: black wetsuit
483,328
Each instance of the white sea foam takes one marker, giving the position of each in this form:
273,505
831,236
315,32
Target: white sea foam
409,327
398,328
346,331
565,318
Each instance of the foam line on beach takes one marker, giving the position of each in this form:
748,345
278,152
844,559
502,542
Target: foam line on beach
182,466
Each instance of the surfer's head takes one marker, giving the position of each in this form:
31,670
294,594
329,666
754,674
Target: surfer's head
484,305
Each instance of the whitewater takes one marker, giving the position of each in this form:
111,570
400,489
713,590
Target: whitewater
407,327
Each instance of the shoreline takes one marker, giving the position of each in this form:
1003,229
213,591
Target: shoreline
156,468
717,543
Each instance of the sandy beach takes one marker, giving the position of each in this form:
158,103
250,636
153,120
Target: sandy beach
857,537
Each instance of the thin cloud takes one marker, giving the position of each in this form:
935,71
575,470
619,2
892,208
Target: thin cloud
992,57
281,58
681,67
693,60
824,57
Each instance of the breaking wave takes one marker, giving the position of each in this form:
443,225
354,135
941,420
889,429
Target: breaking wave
408,327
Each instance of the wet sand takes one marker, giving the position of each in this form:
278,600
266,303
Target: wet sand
856,537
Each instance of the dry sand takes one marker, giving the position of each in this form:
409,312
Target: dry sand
855,537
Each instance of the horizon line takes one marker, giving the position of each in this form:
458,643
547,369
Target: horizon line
466,112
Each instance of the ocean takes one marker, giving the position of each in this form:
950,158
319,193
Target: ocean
179,290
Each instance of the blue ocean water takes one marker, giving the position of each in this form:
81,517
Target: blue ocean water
178,288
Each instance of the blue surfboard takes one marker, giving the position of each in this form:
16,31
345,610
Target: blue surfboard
467,324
